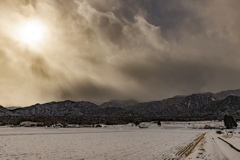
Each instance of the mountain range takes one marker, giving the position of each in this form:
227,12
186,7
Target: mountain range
201,104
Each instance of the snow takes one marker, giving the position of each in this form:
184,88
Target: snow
212,148
124,142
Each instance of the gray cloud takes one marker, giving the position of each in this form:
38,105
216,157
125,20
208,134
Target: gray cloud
90,91
117,49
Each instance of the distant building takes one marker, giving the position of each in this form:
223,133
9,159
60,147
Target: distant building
72,126
143,125
58,125
31,124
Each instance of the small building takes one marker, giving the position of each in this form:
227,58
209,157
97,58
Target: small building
72,126
58,125
143,125
31,124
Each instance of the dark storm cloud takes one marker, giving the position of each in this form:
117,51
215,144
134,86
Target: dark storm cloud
181,77
171,16
119,49
89,91
199,53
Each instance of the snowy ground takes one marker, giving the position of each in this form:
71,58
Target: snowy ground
115,142
213,148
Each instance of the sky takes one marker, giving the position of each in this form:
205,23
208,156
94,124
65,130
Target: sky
94,50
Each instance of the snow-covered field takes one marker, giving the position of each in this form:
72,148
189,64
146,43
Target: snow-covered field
114,142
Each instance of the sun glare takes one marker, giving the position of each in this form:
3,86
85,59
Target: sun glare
32,32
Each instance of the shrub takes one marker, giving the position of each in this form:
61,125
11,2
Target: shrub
229,122
137,123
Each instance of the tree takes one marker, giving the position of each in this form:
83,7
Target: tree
137,123
229,122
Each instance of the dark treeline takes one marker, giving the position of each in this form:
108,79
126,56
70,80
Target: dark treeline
90,120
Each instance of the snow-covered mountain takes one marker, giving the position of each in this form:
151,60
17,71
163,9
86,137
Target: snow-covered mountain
69,108
63,108
224,94
119,103
203,104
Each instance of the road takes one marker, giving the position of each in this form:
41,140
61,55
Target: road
213,148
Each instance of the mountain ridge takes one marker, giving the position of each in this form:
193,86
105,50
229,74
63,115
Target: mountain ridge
198,104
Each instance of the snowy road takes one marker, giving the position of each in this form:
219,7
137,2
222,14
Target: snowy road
212,148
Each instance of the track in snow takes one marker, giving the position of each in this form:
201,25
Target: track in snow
213,148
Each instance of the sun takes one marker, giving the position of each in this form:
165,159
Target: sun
32,32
